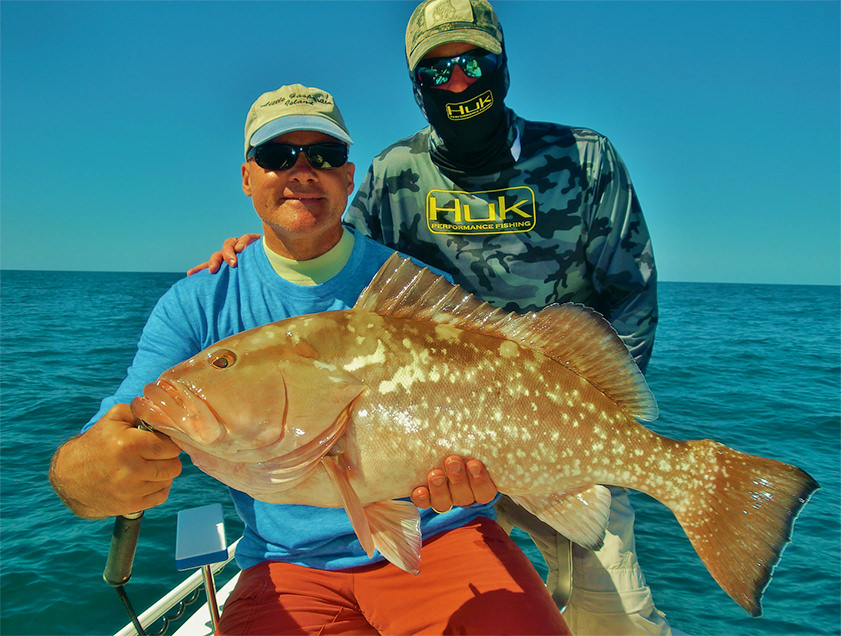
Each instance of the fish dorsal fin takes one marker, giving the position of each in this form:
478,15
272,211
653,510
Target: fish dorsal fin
573,335
581,339
404,290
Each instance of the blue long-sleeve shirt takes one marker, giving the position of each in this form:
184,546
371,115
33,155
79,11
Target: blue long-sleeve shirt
200,310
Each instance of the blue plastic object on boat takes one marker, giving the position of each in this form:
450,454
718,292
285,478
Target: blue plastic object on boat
200,537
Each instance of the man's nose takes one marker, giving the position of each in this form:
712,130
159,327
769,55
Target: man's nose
302,170
458,82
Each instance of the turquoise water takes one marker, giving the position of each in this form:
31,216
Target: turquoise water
753,366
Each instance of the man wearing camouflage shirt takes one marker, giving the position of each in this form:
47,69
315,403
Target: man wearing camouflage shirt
523,214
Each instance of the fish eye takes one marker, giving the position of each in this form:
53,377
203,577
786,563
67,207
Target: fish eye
222,359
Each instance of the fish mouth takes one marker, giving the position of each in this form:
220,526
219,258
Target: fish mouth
177,410
150,414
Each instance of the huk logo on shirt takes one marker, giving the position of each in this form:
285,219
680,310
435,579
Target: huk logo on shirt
505,211
470,108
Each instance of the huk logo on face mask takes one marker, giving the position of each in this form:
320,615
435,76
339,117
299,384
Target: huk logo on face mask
505,211
470,108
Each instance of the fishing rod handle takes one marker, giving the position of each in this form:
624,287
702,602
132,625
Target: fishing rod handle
124,540
123,545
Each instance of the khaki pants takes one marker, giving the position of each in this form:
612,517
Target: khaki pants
608,592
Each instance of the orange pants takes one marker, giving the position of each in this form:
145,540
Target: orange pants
473,580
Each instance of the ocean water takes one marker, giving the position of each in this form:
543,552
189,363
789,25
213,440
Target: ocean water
753,366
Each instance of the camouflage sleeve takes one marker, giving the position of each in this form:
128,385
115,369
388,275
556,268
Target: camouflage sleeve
620,255
360,214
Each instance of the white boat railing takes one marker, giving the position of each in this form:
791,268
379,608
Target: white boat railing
166,603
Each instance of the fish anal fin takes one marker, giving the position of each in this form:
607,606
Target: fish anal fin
338,471
580,515
395,526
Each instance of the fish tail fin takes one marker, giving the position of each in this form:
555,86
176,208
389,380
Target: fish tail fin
740,517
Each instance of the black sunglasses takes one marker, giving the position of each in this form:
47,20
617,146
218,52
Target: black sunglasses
436,71
278,156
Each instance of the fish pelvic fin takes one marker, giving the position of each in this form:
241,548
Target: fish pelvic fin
573,335
395,526
580,515
740,518
392,527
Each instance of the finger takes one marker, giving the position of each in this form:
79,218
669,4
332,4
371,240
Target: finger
215,262
459,481
439,493
245,240
420,497
151,445
163,470
198,268
483,487
138,476
154,498
229,251
120,414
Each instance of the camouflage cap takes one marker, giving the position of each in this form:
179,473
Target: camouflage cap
293,107
436,22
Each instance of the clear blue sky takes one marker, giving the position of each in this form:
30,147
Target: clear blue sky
122,121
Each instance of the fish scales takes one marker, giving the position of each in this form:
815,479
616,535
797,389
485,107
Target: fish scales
453,400
353,408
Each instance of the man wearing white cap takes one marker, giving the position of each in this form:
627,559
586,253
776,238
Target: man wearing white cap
522,214
304,571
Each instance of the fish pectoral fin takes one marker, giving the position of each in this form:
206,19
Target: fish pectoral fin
580,515
395,526
337,470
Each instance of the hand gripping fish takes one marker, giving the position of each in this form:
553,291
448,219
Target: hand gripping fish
353,408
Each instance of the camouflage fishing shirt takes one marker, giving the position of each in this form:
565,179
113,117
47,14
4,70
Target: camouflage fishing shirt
563,224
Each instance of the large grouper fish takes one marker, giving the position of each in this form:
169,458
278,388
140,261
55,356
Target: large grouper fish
352,409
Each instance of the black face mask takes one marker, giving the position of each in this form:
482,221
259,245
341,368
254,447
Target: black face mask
472,127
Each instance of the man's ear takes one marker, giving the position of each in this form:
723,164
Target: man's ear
246,179
351,168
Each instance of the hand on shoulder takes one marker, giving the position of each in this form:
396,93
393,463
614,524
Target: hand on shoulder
228,254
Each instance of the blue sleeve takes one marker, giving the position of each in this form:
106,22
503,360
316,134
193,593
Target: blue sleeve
169,337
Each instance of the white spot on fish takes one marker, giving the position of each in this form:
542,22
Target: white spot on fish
378,357
404,377
447,332
508,349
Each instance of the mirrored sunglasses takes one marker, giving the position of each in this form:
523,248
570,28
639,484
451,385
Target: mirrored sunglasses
279,156
438,70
